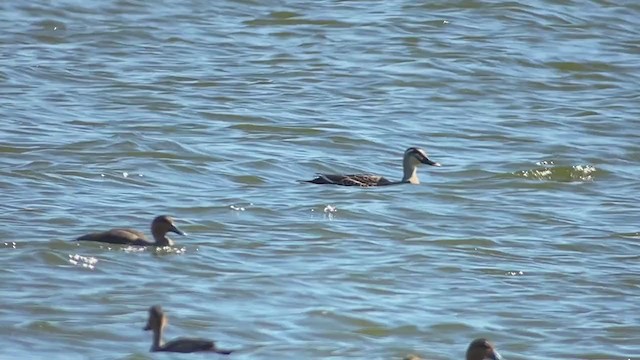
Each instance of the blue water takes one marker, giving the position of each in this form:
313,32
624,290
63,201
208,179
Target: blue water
115,112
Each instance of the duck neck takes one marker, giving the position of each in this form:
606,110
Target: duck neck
157,339
161,239
410,173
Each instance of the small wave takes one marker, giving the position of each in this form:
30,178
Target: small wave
559,173
328,211
514,273
633,235
10,244
165,250
240,207
87,262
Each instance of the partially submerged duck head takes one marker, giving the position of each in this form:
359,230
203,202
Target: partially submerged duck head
482,349
413,158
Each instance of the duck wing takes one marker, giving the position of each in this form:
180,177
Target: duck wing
363,180
189,345
117,236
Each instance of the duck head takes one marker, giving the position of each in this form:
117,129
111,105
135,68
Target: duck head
482,349
163,224
157,319
413,158
417,156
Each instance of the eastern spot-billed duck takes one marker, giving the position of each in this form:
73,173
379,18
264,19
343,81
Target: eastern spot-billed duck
160,226
413,157
479,349
158,320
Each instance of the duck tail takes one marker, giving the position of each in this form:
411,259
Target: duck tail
317,180
223,352
320,179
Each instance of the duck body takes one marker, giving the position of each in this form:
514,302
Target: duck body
412,159
363,180
158,320
160,226
118,236
189,345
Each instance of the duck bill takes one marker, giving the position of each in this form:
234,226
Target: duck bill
175,229
147,328
494,356
428,161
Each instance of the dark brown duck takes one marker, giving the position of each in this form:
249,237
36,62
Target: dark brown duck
160,226
479,349
482,349
413,158
156,323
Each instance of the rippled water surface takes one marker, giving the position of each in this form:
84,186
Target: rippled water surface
113,112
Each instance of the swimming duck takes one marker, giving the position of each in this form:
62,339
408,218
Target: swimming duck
160,226
479,349
158,320
413,157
